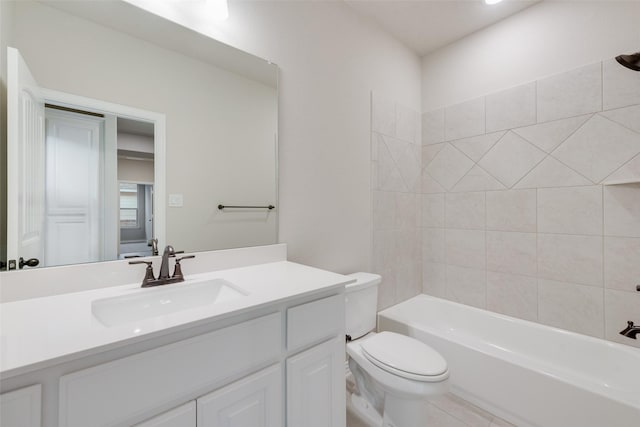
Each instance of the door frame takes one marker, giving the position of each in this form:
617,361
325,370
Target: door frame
159,145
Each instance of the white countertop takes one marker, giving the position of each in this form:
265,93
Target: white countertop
40,332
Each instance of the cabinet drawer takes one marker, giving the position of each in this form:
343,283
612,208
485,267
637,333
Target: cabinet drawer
118,391
254,401
21,408
314,321
182,416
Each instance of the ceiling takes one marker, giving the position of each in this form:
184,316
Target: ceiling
426,25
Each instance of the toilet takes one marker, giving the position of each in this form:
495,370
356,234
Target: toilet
394,373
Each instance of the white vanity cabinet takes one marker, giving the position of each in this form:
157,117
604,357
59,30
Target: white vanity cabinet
182,416
21,408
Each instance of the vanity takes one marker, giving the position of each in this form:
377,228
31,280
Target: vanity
260,344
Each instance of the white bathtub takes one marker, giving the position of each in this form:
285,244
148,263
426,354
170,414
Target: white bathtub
526,373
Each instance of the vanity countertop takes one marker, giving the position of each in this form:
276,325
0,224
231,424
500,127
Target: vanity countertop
41,332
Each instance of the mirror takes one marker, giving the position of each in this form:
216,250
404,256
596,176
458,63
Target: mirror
168,125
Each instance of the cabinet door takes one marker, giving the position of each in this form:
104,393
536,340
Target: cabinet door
182,416
254,401
316,386
21,408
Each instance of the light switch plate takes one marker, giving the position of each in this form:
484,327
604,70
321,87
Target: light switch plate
175,200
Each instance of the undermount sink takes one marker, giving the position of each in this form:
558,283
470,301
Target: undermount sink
158,301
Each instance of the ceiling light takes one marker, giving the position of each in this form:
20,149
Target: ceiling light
218,9
492,1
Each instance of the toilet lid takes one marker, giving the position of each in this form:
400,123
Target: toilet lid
400,354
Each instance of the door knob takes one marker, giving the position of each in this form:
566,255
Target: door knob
32,262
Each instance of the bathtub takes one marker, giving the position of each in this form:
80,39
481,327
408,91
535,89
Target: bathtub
526,373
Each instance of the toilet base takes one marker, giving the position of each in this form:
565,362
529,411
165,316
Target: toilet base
365,411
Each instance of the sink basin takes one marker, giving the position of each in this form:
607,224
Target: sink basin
162,300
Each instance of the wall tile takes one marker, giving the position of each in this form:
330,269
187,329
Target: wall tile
551,173
383,115
465,210
386,289
568,258
406,157
622,210
389,178
512,252
570,306
384,210
513,295
449,166
433,245
598,148
465,248
433,210
477,179
547,136
466,285
407,124
572,210
476,146
511,210
429,152
629,172
384,250
621,307
465,119
570,94
430,185
408,281
621,86
622,263
511,108
433,127
434,279
407,211
511,158
628,117
408,246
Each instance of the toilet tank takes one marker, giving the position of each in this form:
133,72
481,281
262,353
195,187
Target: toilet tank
361,304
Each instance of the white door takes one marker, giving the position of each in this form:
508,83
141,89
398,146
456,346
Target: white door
74,188
316,387
182,416
25,161
255,401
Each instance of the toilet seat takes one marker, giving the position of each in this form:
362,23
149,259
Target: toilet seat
405,357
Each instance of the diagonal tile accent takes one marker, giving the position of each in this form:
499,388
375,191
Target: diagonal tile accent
429,152
511,158
409,166
389,178
552,173
598,148
396,147
630,171
477,179
430,185
476,146
628,117
620,85
570,94
449,166
547,136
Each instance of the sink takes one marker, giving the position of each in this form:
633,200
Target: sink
158,301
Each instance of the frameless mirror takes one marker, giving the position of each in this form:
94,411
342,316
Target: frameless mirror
125,132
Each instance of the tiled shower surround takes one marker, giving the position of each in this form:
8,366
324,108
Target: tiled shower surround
515,211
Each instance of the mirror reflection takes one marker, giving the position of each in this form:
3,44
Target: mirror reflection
146,128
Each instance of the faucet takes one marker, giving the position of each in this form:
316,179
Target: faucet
630,331
164,267
163,278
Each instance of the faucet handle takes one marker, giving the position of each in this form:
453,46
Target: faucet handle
148,274
177,271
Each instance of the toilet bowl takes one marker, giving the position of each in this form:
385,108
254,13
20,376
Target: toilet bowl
394,373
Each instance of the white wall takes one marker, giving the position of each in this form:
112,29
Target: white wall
330,60
548,38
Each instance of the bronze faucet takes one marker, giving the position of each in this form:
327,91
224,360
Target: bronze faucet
163,278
